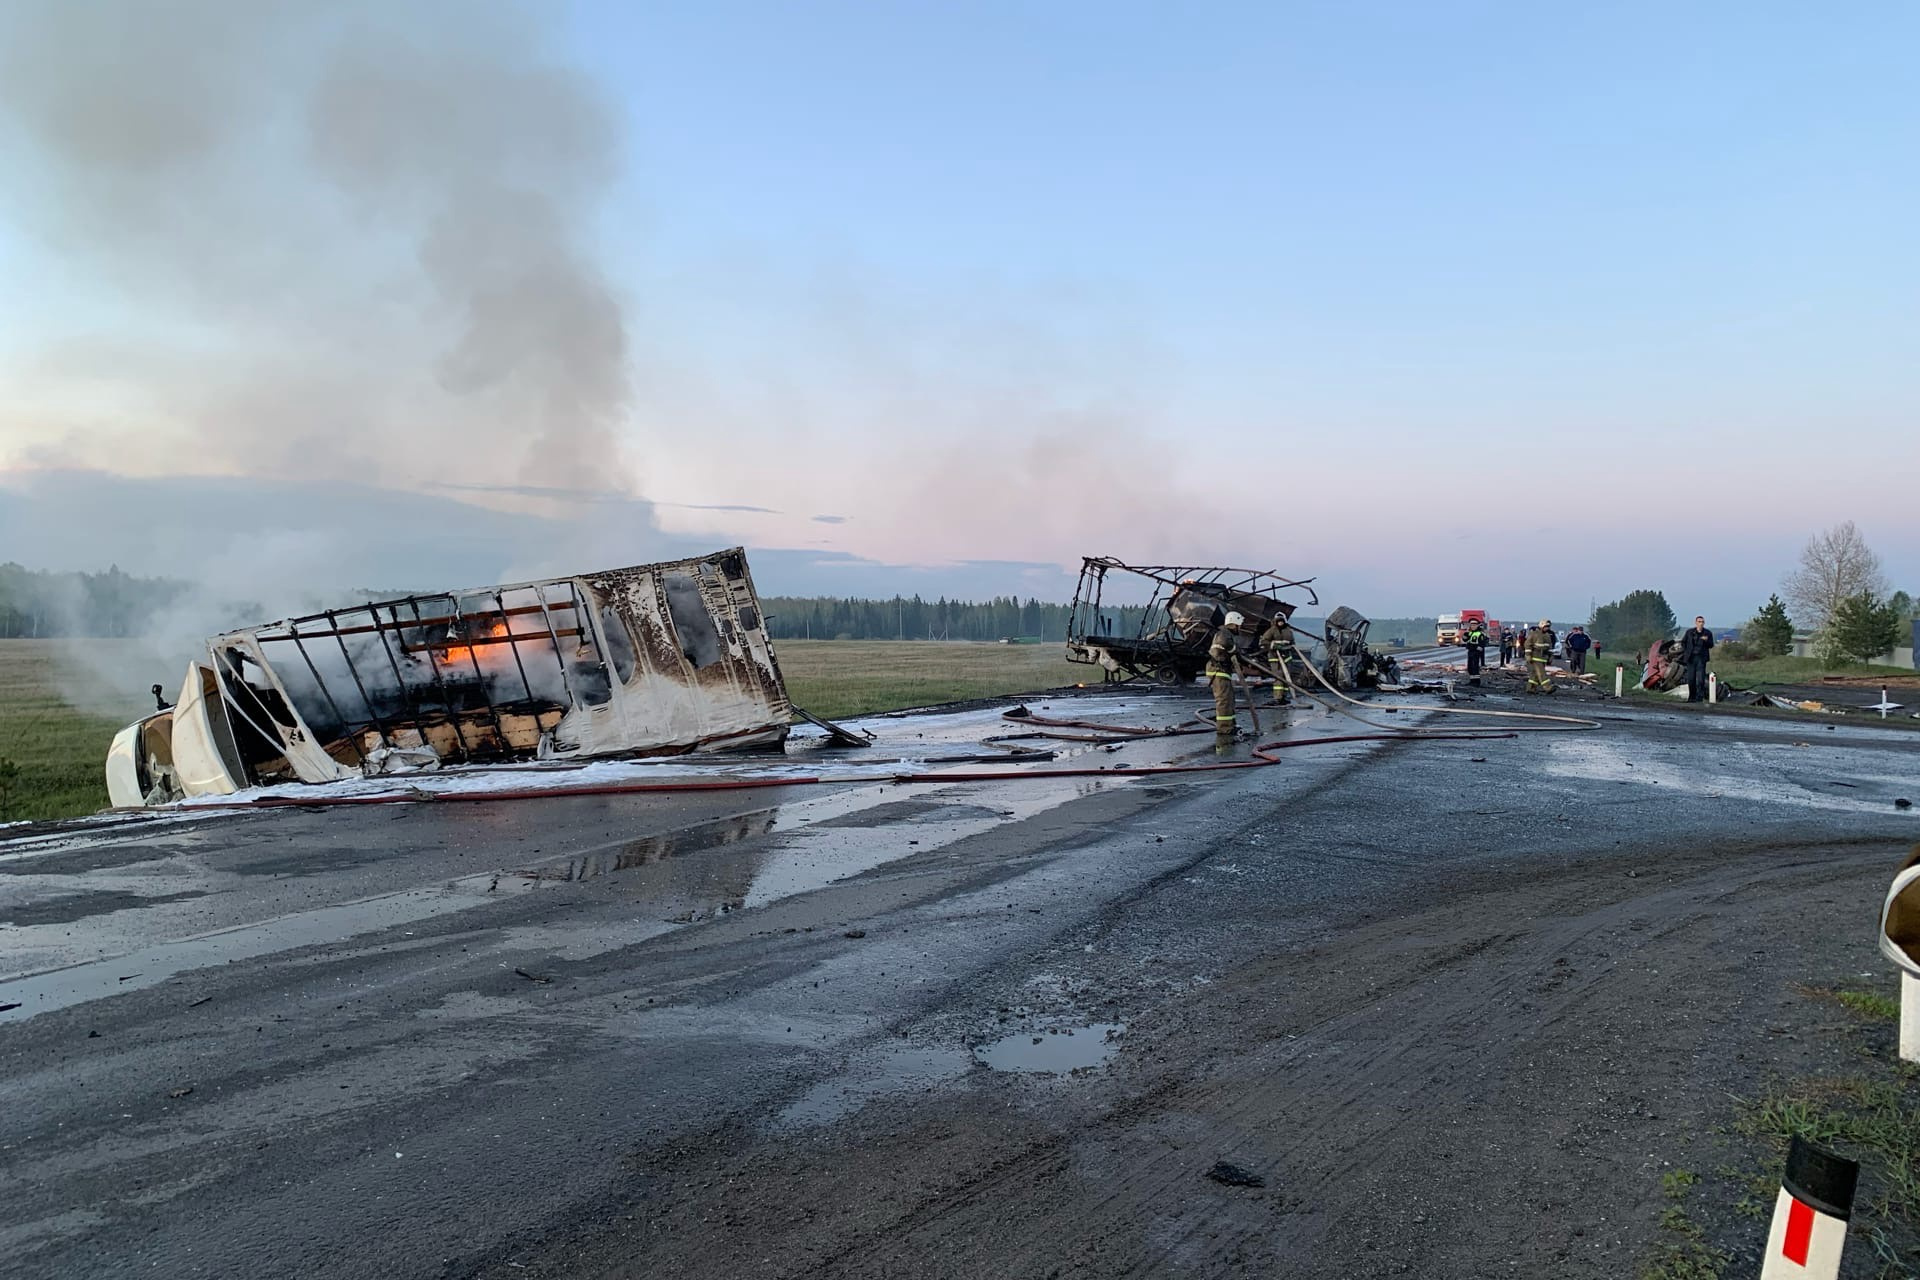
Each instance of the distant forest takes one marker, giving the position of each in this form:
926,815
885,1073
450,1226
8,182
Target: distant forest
912,618
115,604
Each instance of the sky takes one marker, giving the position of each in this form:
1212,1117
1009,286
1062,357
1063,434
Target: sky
1495,305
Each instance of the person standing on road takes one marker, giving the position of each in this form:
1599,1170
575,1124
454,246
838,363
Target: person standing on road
1506,645
1539,651
1223,660
1277,643
1476,652
1696,648
1578,642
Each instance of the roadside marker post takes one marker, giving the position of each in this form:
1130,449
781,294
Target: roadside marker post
1619,679
1810,1216
1713,687
1900,943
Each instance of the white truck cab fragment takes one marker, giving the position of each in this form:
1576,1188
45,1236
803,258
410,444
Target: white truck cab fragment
187,750
132,762
204,756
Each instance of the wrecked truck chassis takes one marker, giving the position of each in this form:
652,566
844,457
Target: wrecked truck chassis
652,659
1185,605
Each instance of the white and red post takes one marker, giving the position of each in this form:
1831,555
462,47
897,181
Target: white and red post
1810,1217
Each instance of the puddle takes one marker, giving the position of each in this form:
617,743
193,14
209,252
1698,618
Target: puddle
1056,1051
898,1071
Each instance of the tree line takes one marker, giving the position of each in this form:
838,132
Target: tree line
915,618
1838,592
111,604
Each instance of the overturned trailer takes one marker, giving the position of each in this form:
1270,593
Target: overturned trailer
654,659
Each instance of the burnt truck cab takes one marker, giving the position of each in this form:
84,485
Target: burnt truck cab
655,659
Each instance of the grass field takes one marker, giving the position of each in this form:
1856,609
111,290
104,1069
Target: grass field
58,752
1805,671
849,677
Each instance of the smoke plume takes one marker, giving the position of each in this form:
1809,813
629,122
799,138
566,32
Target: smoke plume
341,241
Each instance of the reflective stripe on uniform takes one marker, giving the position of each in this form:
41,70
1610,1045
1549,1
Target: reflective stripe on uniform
1219,675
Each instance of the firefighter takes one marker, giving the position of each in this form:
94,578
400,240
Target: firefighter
1222,662
1277,643
1476,652
1539,649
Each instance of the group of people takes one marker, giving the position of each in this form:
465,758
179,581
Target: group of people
1534,646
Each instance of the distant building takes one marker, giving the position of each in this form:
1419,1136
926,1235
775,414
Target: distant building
1806,645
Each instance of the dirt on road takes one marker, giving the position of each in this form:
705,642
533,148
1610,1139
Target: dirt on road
1511,1082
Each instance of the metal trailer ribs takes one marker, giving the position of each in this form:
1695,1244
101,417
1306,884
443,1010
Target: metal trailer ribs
647,660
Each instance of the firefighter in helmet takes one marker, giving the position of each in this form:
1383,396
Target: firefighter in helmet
1276,642
1539,647
1222,662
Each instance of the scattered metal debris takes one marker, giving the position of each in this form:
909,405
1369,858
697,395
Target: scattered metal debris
653,659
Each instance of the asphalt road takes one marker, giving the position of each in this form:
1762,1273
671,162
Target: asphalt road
608,1035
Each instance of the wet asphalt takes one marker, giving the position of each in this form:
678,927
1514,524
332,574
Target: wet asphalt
422,1041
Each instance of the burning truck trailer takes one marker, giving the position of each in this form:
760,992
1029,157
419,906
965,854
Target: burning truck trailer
658,659
1186,605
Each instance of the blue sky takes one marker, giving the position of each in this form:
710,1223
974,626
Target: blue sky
1341,289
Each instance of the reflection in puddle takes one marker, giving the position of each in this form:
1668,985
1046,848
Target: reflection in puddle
651,849
1054,1051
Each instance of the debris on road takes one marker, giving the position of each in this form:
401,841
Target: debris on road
532,977
1232,1175
656,659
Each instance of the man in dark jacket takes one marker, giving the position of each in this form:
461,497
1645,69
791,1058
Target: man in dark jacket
1696,648
1578,642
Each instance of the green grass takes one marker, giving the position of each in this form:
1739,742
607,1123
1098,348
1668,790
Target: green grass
853,677
59,753
1791,670
1874,1121
1870,1004
1682,1253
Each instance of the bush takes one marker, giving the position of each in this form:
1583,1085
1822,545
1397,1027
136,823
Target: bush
1738,651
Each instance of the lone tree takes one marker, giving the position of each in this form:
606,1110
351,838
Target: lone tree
1862,628
1770,634
1637,616
1834,566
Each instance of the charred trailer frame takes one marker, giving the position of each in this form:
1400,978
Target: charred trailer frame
1184,607
655,659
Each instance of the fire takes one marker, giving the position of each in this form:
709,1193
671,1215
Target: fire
463,656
